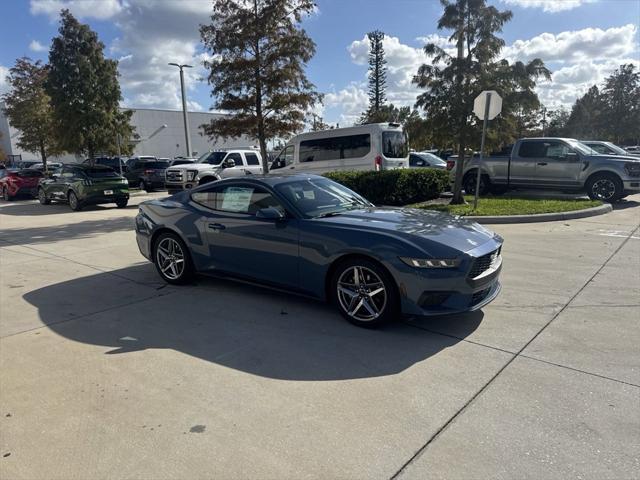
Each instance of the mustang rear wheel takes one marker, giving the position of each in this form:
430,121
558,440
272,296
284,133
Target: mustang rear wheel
172,259
42,197
364,293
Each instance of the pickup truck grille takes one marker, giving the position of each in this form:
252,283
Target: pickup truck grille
483,263
174,175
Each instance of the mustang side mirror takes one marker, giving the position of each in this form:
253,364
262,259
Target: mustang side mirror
270,213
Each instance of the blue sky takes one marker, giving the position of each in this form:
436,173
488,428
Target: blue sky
582,41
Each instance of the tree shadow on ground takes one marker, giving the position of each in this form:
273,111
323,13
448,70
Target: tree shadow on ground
70,231
250,329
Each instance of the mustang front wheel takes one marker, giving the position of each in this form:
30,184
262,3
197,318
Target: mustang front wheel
364,293
42,197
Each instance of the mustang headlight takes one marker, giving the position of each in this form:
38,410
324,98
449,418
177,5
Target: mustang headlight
431,262
191,175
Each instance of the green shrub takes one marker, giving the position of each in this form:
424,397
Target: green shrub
394,187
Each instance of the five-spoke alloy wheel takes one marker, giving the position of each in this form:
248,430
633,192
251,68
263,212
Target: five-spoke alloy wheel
172,259
364,293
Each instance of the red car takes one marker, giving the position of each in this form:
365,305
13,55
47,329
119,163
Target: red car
19,182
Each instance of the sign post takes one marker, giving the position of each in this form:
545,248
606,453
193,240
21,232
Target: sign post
486,106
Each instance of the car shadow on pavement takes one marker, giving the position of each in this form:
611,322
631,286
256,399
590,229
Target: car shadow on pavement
71,231
33,208
246,328
624,204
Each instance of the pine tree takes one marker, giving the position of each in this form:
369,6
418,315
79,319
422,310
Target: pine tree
258,55
377,72
84,90
28,108
453,82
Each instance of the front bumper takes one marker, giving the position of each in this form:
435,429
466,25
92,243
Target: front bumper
429,292
179,187
632,186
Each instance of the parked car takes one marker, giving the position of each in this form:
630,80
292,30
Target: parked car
377,146
635,150
147,173
51,166
81,185
426,160
310,235
16,182
26,164
182,161
604,148
558,164
213,166
113,162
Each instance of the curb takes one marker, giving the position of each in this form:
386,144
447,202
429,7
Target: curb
543,217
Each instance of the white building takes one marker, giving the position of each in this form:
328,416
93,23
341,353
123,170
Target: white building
161,134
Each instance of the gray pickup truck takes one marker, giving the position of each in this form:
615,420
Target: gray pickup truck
555,164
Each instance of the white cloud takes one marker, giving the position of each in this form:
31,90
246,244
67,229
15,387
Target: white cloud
98,9
588,43
551,6
351,101
36,46
579,59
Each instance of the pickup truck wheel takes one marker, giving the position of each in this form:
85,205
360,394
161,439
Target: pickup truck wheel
469,183
604,186
207,180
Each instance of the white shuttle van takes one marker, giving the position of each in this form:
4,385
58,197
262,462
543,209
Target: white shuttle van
377,146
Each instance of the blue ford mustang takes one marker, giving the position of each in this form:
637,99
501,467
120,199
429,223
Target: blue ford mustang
308,234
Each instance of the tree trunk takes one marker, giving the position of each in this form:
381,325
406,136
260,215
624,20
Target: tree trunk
261,134
457,186
43,154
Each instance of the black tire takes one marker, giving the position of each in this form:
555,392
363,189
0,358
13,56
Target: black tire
42,197
469,183
605,186
143,186
122,203
74,203
168,274
356,299
206,180
5,194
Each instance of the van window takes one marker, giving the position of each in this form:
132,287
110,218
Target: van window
284,159
395,144
351,146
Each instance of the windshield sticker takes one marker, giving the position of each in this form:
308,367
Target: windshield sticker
237,199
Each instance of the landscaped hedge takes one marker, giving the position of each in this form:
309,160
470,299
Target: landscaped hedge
394,187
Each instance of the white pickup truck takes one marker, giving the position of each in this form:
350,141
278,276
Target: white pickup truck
214,166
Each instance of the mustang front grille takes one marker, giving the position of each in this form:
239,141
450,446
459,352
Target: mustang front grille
484,263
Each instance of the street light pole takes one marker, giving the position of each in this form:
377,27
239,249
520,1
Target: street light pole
184,106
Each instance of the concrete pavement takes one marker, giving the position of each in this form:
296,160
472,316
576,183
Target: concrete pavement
106,372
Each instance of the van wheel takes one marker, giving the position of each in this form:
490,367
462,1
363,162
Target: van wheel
604,186
469,183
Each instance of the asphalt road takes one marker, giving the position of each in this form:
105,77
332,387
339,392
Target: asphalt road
106,372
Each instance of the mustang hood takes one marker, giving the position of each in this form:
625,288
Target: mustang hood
454,232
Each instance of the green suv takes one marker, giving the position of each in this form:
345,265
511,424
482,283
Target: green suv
81,185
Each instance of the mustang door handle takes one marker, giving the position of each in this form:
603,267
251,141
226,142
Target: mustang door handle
216,226
542,163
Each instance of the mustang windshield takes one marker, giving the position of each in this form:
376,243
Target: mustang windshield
320,197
